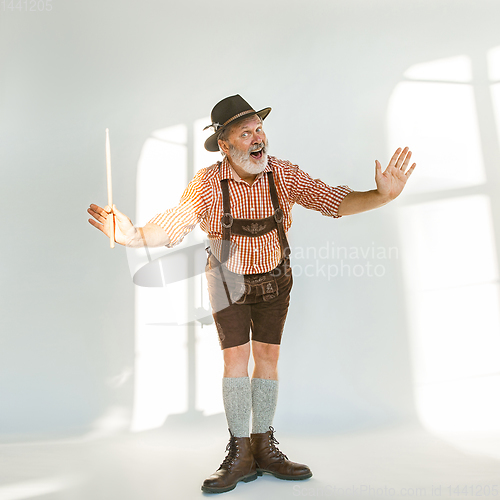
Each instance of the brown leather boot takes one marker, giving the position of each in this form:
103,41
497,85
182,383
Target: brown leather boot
270,459
239,465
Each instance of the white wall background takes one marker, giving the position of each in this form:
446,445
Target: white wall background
328,69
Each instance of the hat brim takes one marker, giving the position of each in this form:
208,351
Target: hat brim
211,144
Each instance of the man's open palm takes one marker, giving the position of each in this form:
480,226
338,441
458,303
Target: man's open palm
123,227
391,182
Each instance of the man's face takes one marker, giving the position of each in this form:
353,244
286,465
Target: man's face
247,145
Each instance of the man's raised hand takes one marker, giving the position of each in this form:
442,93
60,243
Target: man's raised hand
124,229
391,182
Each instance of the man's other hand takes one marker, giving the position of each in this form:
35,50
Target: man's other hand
391,182
104,217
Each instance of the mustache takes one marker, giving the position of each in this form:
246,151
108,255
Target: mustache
256,147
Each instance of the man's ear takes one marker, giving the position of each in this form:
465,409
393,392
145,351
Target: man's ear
223,145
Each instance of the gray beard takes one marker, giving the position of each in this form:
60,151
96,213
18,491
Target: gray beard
244,161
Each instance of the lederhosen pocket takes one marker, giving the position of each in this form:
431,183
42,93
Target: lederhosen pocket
265,288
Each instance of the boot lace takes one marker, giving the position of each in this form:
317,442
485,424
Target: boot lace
232,450
273,442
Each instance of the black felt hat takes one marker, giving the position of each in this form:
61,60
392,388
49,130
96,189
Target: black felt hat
226,112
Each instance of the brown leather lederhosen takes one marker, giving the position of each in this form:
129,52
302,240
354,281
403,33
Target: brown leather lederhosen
252,228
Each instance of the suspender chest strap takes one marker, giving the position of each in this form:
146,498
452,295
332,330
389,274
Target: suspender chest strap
252,228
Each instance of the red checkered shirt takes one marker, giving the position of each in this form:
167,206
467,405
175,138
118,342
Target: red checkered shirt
201,203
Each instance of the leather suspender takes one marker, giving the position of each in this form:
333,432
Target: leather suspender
226,220
278,217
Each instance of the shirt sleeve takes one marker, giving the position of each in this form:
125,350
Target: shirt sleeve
315,194
179,221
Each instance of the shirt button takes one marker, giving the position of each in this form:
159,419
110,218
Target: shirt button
252,209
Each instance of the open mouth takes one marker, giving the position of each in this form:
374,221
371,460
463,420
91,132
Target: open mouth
257,154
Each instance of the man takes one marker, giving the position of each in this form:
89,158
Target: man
244,205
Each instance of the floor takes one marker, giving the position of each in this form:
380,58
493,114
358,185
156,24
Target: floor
171,463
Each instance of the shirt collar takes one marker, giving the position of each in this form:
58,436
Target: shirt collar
227,171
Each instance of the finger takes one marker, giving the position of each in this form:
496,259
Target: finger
99,209
97,215
401,158
405,163
410,170
98,226
103,212
394,158
96,208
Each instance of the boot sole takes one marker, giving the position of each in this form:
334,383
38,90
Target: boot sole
245,479
260,472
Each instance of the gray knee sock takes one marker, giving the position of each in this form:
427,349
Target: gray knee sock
264,399
237,398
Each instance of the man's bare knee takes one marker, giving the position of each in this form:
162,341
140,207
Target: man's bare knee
236,360
265,353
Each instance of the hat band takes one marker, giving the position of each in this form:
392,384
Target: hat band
238,115
218,126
